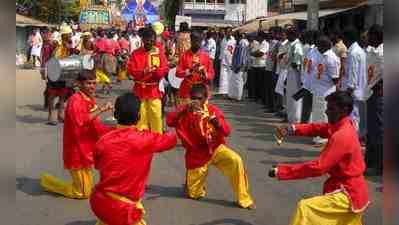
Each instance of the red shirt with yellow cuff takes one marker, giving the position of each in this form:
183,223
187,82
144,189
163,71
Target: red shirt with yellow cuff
341,159
146,86
198,136
123,158
80,132
186,62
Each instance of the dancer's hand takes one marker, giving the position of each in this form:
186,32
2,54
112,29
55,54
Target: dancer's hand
214,121
273,172
107,107
282,131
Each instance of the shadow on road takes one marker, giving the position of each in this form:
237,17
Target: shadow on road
34,107
30,119
286,152
274,162
31,186
227,221
91,222
157,191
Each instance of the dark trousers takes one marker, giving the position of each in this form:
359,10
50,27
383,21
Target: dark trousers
216,67
269,90
307,103
259,83
251,83
375,132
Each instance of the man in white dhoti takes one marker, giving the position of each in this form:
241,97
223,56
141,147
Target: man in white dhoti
324,71
355,80
239,67
226,54
295,63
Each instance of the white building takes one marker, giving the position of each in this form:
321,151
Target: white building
223,12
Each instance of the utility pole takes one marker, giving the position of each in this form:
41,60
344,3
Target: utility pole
313,14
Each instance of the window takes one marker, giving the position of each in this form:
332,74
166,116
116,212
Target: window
237,1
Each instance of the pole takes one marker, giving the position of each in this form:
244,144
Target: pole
313,15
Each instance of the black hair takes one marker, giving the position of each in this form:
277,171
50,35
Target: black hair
351,35
342,99
378,32
183,27
199,88
86,75
195,35
127,109
148,32
324,41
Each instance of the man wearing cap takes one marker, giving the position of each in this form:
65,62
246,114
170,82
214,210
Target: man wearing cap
148,65
82,129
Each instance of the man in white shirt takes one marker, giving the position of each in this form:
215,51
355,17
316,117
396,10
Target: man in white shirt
282,71
211,45
270,70
259,49
375,126
295,63
309,38
227,50
355,80
135,41
325,75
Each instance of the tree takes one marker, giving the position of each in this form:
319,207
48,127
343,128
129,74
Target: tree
51,11
169,9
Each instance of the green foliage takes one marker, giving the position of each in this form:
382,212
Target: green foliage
52,11
169,9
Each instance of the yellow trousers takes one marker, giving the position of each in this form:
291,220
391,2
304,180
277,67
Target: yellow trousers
122,74
102,78
231,165
80,187
151,115
141,222
330,209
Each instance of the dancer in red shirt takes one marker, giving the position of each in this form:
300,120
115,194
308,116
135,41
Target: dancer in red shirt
82,129
148,65
195,66
202,129
123,158
345,194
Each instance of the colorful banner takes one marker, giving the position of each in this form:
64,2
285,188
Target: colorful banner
95,17
141,12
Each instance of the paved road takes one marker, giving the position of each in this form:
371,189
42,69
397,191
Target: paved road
39,150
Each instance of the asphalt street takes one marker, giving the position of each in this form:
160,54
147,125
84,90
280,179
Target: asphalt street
39,149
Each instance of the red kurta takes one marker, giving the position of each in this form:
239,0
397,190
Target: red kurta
101,45
80,133
186,61
124,44
341,159
123,158
199,147
146,86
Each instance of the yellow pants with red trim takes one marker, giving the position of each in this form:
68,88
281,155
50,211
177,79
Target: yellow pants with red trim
231,165
102,78
141,222
139,205
80,187
151,115
122,74
330,209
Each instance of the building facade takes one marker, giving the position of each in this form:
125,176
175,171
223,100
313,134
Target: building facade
223,12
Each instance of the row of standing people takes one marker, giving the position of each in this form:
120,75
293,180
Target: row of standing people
291,73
